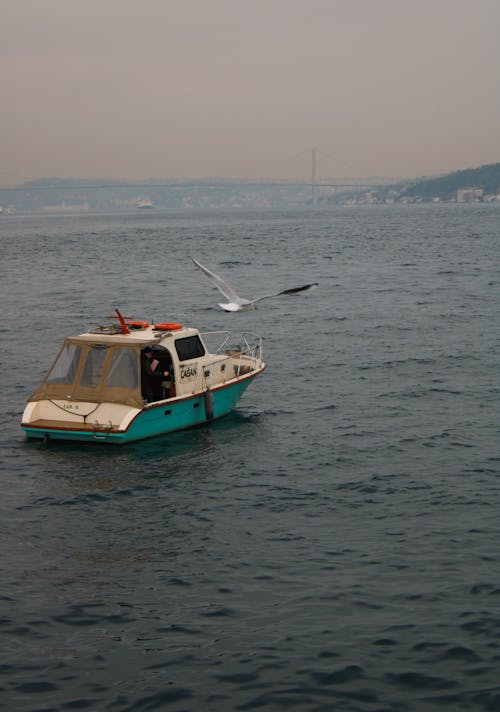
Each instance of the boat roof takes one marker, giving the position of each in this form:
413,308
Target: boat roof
148,335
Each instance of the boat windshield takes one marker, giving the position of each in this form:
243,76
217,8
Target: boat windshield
189,347
94,372
66,365
122,371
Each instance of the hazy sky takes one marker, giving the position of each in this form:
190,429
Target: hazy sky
246,88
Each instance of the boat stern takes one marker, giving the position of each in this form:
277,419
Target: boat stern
44,419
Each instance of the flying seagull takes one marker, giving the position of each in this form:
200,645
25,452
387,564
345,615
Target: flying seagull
237,303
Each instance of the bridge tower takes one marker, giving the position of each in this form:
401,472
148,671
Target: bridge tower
313,177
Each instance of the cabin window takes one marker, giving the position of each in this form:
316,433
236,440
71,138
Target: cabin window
123,369
94,362
64,369
189,347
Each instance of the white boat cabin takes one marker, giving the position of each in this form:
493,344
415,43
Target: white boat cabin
106,365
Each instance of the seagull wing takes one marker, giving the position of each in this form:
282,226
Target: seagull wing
222,286
293,290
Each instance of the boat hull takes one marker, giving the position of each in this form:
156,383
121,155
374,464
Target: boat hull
155,419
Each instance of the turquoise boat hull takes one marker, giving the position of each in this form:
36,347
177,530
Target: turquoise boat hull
155,419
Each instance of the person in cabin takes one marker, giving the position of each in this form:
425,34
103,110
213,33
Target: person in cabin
150,378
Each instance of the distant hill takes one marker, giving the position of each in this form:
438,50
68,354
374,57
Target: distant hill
485,179
445,187
84,194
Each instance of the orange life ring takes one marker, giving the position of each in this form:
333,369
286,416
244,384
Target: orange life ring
137,323
167,326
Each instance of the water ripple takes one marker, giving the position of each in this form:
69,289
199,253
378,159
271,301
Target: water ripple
333,543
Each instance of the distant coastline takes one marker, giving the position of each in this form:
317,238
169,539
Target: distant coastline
61,195
472,185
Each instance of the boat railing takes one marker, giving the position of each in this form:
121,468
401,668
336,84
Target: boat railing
244,357
252,343
256,348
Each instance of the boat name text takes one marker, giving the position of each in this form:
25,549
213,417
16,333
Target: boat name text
188,372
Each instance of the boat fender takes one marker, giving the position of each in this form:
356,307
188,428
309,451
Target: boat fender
208,397
167,326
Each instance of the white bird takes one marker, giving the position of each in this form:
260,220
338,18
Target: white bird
237,303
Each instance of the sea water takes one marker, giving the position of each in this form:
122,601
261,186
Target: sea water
333,543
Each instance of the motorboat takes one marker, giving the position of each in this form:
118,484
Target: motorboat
100,388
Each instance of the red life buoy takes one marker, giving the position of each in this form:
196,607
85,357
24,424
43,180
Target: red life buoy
167,326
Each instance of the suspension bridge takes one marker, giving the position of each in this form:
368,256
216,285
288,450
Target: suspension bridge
314,183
